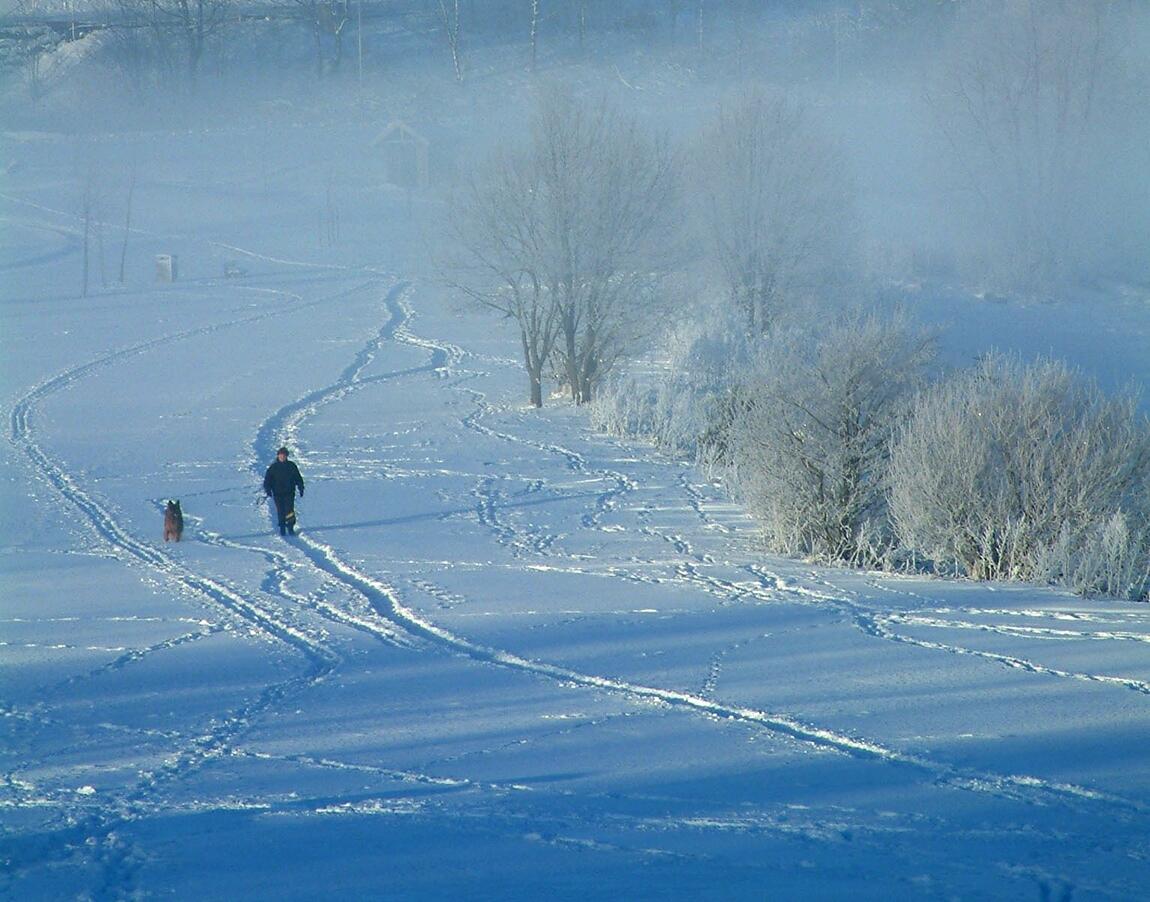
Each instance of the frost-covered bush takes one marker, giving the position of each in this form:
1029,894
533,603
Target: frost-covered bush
672,403
715,451
1026,471
811,432
663,410
1113,559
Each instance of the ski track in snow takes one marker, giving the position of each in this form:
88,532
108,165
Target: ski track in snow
97,826
382,615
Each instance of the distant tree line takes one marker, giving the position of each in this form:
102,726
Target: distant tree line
169,41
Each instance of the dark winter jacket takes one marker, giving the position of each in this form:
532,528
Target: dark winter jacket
282,478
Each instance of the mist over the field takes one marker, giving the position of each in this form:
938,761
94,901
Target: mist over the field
1002,145
995,143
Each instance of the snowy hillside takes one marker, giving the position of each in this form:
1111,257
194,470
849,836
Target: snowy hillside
504,658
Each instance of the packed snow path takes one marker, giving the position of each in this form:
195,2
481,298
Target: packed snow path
504,658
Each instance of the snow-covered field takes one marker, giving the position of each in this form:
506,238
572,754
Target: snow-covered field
505,658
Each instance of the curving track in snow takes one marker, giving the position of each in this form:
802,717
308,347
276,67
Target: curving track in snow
97,826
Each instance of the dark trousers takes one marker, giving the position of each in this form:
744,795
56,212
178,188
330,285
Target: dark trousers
285,511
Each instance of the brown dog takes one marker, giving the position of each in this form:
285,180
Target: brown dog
173,522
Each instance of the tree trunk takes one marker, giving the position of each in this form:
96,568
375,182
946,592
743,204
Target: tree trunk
534,367
196,38
87,236
127,224
451,25
572,365
534,32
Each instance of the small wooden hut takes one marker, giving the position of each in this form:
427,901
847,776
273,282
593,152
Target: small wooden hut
405,155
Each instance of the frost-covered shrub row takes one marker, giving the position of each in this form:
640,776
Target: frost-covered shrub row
1028,472
802,436
843,452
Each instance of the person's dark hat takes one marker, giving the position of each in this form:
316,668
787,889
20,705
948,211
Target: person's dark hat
283,451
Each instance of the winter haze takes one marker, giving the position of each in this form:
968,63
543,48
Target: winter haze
724,434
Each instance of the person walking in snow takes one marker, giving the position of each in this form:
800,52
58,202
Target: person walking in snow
280,484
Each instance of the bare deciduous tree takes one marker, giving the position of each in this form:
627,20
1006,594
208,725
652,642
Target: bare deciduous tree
497,227
612,198
777,206
1030,96
328,18
577,231
534,4
28,53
